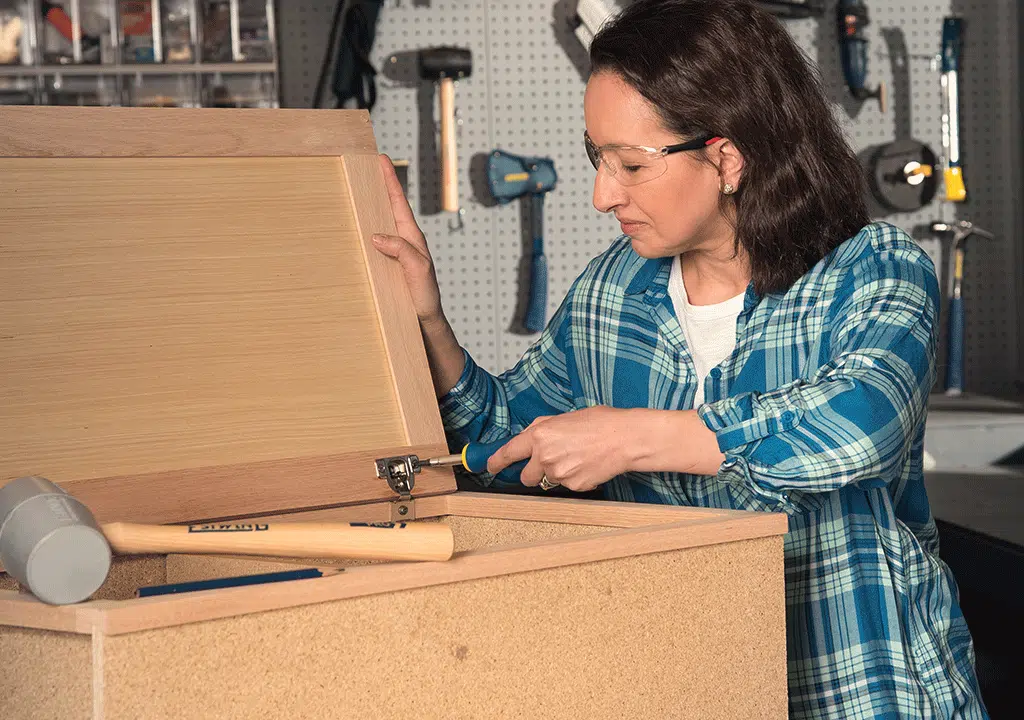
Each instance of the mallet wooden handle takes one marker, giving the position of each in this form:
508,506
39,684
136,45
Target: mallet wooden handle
449,156
367,541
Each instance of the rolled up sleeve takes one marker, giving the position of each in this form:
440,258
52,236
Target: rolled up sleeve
856,419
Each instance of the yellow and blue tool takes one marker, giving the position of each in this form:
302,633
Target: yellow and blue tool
513,176
474,457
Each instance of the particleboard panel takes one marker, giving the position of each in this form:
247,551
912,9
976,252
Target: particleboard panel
562,642
209,297
473,532
46,676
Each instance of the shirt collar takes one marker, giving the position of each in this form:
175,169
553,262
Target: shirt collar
647,274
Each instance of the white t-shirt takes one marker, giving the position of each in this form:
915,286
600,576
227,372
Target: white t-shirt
710,330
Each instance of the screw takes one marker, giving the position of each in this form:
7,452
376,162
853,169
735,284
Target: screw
403,509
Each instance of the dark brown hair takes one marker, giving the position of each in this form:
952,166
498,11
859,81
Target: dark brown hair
728,67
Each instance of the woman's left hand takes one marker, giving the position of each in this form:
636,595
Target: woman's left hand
578,450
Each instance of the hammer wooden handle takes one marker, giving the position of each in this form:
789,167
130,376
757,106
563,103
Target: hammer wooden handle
449,155
368,541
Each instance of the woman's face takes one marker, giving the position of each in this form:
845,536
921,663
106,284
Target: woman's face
675,212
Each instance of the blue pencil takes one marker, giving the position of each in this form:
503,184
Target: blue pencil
259,579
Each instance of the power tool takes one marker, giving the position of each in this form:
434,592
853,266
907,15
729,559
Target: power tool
853,43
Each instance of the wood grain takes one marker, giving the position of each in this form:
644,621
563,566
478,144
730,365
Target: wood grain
399,326
580,511
251,489
42,131
183,313
165,316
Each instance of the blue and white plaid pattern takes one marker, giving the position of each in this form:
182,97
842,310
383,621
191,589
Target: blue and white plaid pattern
820,413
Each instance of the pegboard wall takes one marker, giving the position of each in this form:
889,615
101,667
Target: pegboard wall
525,96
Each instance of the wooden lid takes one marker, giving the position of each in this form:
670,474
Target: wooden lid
193,323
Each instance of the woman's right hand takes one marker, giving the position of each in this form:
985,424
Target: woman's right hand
409,247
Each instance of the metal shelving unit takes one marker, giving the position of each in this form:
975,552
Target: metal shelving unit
144,52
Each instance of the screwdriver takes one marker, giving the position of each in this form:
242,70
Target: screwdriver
474,457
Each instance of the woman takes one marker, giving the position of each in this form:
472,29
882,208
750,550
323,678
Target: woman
751,341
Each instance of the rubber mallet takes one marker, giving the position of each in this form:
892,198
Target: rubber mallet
51,543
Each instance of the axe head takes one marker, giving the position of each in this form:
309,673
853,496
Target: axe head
512,176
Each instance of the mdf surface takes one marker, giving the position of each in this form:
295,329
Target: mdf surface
695,632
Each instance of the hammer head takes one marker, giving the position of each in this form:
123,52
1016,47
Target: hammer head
512,176
445,62
50,542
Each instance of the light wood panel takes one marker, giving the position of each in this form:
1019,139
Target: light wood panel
399,327
40,131
166,314
580,511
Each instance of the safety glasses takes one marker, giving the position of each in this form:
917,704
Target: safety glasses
635,164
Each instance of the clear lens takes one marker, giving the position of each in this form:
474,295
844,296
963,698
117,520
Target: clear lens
629,166
632,166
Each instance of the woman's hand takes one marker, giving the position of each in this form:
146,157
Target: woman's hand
578,450
586,448
409,247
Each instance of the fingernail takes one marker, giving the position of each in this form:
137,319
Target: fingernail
377,239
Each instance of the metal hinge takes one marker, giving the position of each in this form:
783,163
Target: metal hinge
400,471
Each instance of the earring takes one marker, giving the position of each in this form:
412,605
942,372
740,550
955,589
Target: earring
728,189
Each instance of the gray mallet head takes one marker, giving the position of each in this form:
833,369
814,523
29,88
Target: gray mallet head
50,542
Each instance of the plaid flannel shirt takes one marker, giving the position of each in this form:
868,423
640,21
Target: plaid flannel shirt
820,413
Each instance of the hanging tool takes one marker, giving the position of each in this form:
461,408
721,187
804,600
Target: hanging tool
445,65
960,231
853,18
513,176
903,174
952,35
352,34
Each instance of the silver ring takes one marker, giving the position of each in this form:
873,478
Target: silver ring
546,484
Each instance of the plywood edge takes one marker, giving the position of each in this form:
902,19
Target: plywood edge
578,511
271,486
398,323
114,618
23,610
107,132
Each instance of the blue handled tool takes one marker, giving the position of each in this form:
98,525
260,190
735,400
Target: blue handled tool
513,176
474,457
955,339
853,44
